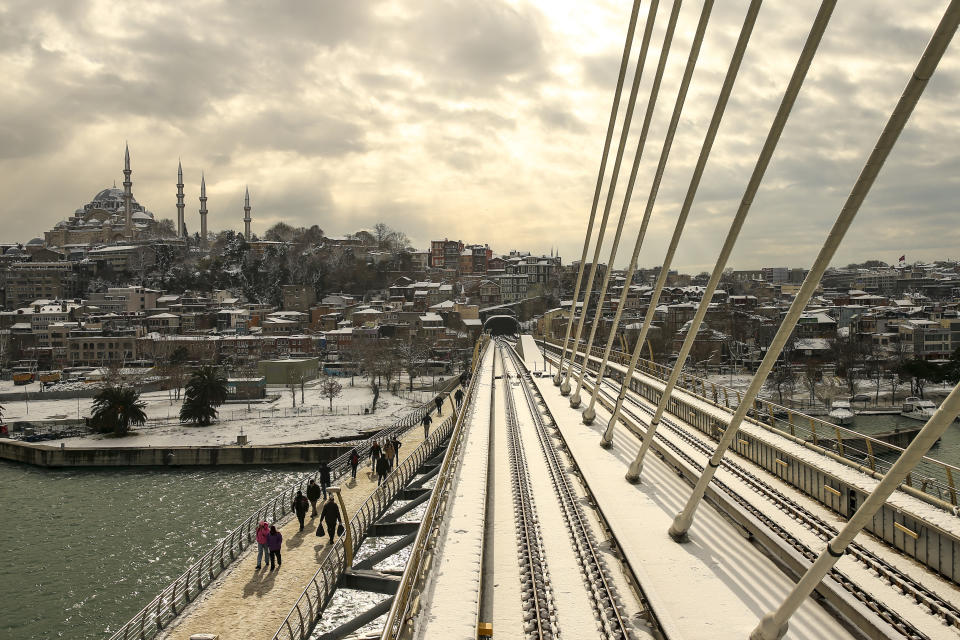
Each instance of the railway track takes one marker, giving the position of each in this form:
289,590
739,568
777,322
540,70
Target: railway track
539,610
600,592
932,602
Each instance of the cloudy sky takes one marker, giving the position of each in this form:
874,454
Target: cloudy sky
481,120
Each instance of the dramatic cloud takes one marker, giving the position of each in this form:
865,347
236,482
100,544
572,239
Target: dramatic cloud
474,119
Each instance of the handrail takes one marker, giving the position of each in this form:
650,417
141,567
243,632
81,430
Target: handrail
174,598
402,601
800,426
306,612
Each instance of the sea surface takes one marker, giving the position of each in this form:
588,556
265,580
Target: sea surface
82,551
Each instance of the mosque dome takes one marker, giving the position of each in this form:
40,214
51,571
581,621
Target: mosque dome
109,194
35,242
61,224
140,215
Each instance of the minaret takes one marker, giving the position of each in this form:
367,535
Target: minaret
246,215
203,212
127,195
179,199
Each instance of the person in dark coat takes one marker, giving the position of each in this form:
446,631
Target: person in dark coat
331,516
383,469
324,472
426,420
374,455
458,396
313,494
275,543
354,462
300,506
396,449
439,402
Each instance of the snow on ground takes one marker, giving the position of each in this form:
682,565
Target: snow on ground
261,424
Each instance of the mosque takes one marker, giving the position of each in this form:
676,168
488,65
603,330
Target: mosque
114,216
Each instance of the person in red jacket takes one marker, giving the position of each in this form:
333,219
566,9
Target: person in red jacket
262,550
354,462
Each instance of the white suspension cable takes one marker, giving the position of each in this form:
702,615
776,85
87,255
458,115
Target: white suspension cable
888,138
611,189
611,125
641,144
745,32
763,161
590,412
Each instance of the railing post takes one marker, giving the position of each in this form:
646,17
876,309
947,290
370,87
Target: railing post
953,490
873,461
813,431
793,429
839,441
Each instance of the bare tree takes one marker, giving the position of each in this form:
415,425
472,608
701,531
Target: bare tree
413,355
782,378
330,388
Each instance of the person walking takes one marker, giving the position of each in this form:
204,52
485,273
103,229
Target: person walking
439,402
300,506
313,494
396,449
354,462
389,452
383,469
374,455
263,529
426,420
275,542
458,396
324,472
331,516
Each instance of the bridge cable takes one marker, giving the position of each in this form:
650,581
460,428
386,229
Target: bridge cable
898,118
641,144
596,194
612,187
746,30
763,161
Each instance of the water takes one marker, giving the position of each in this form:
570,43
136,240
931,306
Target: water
85,550
946,450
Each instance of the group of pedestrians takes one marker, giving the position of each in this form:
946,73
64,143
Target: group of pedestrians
383,455
270,540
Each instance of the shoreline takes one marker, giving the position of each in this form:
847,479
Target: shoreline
47,456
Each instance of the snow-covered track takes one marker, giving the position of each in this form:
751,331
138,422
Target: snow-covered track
933,603
538,609
599,591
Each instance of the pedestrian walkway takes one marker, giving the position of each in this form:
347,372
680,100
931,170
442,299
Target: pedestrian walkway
246,603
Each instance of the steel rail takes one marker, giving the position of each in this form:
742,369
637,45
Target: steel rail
598,589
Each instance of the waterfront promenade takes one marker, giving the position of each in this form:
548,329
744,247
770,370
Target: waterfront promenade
246,603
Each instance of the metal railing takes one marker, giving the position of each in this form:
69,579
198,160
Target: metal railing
404,601
308,609
931,477
172,600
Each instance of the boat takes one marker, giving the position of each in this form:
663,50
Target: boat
840,412
917,409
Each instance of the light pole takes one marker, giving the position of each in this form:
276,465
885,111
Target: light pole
348,535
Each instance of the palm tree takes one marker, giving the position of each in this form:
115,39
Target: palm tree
115,408
205,391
